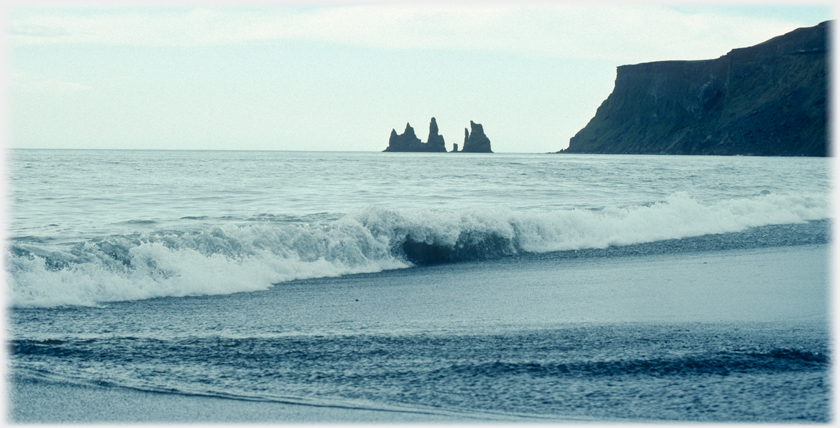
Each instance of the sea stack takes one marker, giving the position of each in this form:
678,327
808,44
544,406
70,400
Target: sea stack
435,142
405,142
475,141
408,141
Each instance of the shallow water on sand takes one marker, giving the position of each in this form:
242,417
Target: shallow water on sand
607,339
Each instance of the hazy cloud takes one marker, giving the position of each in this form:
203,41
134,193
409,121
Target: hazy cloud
640,33
21,82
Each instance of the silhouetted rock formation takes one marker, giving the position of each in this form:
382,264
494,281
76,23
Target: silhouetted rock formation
476,141
768,99
405,142
408,141
435,141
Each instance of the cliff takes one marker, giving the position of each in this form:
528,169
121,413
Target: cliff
474,139
408,141
768,99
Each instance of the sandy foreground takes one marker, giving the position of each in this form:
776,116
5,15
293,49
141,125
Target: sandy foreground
44,402
763,285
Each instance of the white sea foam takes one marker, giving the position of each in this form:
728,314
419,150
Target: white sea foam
680,216
230,259
233,260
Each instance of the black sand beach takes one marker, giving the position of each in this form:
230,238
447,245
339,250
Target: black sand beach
44,402
771,285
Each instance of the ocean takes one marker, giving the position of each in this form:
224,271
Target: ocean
469,287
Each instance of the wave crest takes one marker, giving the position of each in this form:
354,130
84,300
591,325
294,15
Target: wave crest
251,257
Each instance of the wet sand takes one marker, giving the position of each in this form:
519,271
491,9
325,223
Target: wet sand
46,402
761,285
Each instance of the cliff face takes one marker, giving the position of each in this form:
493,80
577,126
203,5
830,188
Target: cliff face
768,99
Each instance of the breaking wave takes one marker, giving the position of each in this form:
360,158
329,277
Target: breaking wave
254,256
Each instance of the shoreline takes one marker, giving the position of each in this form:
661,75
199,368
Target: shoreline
38,401
776,285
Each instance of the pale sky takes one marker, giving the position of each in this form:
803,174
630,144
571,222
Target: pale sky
340,76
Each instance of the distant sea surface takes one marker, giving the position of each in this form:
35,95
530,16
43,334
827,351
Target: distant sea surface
524,286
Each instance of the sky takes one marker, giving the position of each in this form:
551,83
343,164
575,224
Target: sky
339,76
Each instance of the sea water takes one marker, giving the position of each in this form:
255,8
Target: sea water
530,286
